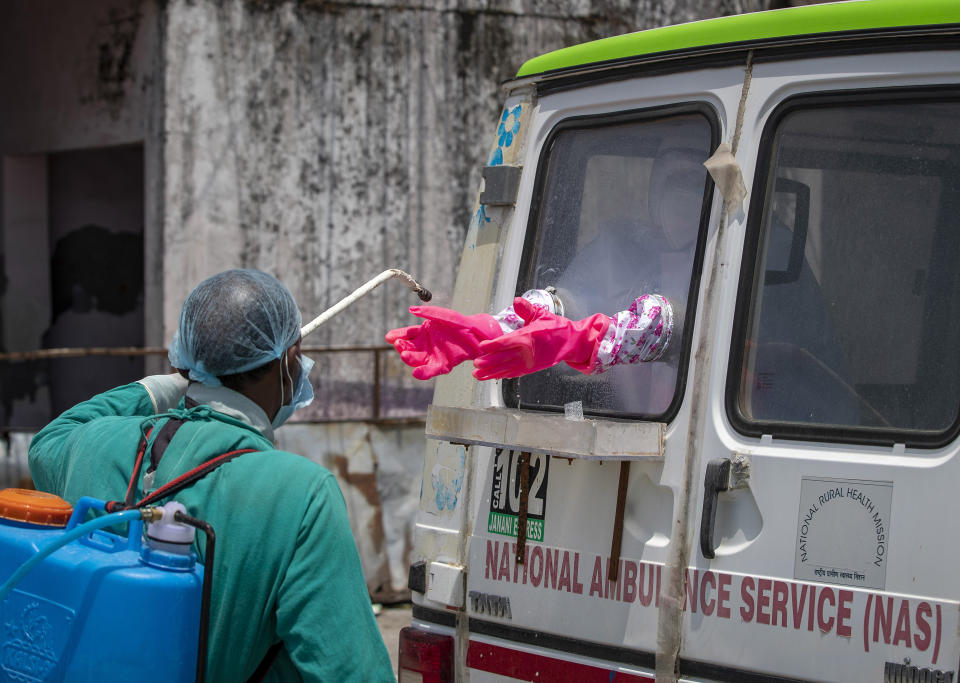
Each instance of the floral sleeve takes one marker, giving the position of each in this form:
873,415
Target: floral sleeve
639,334
509,321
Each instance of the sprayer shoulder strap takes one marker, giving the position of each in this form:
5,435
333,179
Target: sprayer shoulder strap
191,477
188,479
266,663
176,485
163,439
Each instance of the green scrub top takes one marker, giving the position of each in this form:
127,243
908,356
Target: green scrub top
287,567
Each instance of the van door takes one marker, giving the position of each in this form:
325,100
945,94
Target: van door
830,462
614,203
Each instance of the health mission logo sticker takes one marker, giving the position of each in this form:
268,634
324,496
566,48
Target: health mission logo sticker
843,531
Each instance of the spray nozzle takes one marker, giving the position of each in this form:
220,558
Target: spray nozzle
361,292
151,514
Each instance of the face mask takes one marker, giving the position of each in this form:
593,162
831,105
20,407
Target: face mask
302,394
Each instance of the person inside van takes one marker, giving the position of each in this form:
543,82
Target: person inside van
288,594
650,249
630,264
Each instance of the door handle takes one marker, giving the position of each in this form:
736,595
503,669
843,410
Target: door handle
715,480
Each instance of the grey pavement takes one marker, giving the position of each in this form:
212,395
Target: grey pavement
391,619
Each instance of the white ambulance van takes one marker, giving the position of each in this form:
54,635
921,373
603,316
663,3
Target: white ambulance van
777,498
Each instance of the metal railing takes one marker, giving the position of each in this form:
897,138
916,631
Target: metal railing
377,352
134,351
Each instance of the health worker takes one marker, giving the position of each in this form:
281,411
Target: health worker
289,601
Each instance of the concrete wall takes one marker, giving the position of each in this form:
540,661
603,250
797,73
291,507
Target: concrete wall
321,141
326,141
24,287
76,74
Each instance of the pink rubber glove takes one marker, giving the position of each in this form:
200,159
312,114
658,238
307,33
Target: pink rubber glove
544,340
445,340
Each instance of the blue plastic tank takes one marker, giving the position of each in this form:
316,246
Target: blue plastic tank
102,605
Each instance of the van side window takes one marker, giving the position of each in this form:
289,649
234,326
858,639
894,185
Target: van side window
618,213
850,328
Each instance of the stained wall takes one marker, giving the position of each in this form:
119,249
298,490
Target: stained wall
322,141
326,141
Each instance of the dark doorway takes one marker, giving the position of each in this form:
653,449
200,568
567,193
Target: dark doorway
83,276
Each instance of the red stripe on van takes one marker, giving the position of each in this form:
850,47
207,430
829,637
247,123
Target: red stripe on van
527,666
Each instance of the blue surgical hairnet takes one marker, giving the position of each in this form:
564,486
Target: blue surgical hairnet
232,322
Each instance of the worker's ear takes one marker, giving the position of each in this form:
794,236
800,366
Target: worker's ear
293,353
292,375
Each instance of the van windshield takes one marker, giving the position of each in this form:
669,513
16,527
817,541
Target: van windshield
619,216
852,320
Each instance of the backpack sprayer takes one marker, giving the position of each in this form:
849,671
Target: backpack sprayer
71,582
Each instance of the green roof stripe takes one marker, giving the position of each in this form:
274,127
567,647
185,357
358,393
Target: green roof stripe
855,15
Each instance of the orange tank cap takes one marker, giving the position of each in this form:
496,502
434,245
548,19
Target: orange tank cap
34,507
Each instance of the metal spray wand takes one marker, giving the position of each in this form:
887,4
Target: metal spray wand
362,291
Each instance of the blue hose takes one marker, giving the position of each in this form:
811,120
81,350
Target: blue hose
60,541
